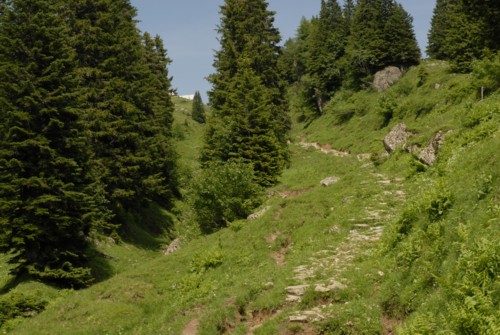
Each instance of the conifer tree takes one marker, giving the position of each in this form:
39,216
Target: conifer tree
45,208
348,13
463,30
377,34
154,100
327,48
249,51
128,111
198,110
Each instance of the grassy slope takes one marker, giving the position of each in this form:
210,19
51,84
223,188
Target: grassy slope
234,281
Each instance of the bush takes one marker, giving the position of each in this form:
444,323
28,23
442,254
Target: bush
222,193
486,73
17,305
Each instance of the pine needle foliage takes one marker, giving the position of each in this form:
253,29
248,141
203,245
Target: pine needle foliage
198,109
45,206
250,121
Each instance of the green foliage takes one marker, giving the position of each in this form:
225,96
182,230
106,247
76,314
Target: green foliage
387,108
462,31
198,109
20,305
250,121
222,193
381,35
206,261
125,95
45,184
486,74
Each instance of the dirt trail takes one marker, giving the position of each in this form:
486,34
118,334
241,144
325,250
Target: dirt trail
366,230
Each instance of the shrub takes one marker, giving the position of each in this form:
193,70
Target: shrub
16,305
222,193
486,73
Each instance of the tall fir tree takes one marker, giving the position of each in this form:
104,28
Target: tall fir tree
159,172
463,30
128,111
249,49
198,110
45,208
403,49
327,48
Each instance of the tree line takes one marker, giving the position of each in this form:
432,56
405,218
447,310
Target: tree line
85,130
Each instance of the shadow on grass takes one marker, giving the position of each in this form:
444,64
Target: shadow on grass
148,228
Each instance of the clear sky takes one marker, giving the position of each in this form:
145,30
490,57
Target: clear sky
188,29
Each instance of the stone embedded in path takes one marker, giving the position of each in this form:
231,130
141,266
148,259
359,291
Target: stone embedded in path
307,316
334,286
292,298
298,318
298,290
396,138
329,181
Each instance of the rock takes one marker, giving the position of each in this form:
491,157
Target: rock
386,78
269,285
258,214
437,86
396,138
363,157
329,181
292,298
172,247
298,318
334,286
298,290
429,154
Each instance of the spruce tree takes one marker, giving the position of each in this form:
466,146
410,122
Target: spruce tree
128,112
45,208
379,32
327,48
249,51
159,170
463,30
403,49
198,110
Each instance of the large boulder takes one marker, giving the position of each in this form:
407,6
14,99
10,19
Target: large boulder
396,138
386,78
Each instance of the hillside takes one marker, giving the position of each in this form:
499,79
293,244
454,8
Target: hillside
389,244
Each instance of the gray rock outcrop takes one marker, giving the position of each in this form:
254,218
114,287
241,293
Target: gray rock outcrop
396,138
386,78
429,154
172,247
258,214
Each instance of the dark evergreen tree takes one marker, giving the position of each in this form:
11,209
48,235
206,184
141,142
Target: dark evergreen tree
348,13
327,47
377,34
403,49
249,51
45,210
198,110
463,30
154,100
128,112
440,24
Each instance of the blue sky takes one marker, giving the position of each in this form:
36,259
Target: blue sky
188,29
